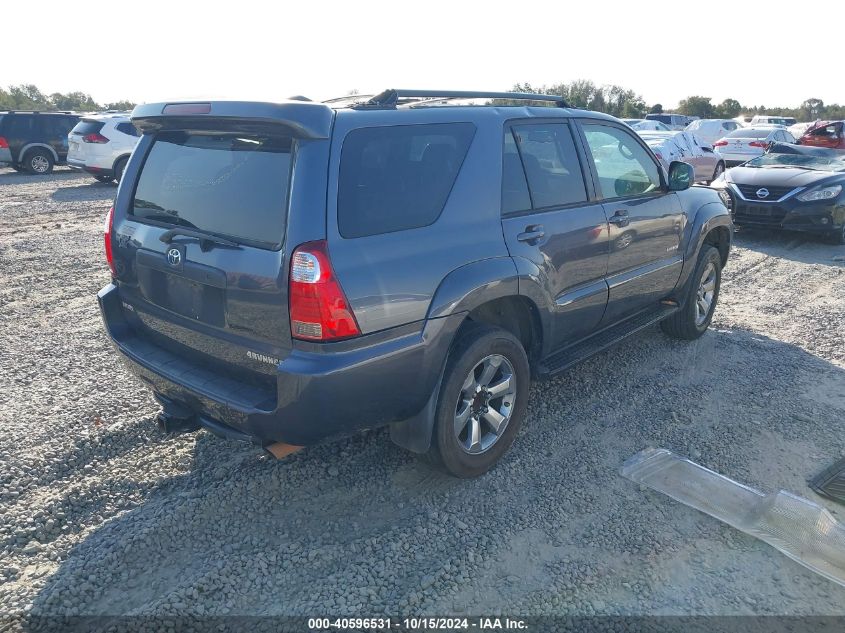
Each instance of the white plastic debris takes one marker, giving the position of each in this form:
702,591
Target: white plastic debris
799,528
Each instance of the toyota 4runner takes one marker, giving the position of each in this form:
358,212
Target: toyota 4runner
289,272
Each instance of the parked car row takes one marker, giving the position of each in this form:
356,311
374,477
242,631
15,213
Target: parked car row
99,144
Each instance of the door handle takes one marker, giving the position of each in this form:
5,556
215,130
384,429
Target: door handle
533,234
620,218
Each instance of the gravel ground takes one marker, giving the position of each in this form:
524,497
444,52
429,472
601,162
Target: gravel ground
101,514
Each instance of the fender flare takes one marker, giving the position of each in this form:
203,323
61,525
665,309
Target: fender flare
708,217
29,146
469,286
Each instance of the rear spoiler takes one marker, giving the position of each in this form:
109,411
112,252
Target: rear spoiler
297,118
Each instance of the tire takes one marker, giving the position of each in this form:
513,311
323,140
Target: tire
481,349
38,161
691,320
838,237
119,168
720,169
103,178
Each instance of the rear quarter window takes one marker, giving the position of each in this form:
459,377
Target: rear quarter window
399,177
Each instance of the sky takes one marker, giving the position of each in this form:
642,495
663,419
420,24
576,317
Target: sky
150,51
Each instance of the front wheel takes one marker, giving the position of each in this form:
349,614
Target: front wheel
720,169
481,403
838,237
693,318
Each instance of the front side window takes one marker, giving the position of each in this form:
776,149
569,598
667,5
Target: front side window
551,164
396,178
623,166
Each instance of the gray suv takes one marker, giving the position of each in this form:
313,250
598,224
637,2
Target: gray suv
289,272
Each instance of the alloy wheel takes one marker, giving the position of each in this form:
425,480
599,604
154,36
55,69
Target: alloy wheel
485,404
705,294
39,164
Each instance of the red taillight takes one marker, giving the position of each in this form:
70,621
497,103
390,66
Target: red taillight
4,144
94,138
319,310
107,240
720,143
759,143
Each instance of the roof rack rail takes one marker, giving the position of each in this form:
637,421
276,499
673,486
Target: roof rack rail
16,111
392,97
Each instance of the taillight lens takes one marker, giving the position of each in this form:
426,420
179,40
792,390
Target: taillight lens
4,144
319,310
759,143
720,143
95,138
107,228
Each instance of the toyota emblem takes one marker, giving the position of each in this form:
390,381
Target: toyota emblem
174,257
762,193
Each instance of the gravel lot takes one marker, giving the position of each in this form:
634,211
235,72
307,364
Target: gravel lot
101,514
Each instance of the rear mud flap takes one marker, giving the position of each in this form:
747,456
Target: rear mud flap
795,526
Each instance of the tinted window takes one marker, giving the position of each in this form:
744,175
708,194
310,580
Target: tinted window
225,184
665,118
398,178
749,133
127,128
87,127
514,187
21,126
623,166
551,164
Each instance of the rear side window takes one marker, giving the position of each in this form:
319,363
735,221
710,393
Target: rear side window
127,128
515,195
229,185
21,126
87,127
398,178
551,164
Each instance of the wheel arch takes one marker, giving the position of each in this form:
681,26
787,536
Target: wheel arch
30,146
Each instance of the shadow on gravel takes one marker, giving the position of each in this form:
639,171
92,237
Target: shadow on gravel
92,190
11,177
360,527
800,247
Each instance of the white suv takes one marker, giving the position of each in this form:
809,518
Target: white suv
101,144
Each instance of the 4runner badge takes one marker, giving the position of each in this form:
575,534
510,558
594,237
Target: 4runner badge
263,358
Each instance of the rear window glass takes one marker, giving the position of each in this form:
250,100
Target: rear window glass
229,185
87,127
747,133
398,178
664,118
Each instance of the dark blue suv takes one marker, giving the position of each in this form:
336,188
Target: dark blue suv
284,273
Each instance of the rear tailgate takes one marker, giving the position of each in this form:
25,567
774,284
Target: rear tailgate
77,147
200,227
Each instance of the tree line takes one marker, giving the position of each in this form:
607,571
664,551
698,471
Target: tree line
627,104
29,97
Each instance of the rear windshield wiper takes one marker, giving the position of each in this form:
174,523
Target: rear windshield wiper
205,239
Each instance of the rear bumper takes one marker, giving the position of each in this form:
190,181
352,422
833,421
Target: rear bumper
318,394
812,217
80,165
5,155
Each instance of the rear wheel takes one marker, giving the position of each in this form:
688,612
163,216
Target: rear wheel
119,168
38,161
481,402
694,317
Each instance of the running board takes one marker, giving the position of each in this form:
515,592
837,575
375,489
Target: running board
574,354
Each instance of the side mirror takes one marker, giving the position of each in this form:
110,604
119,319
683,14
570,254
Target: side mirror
681,175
